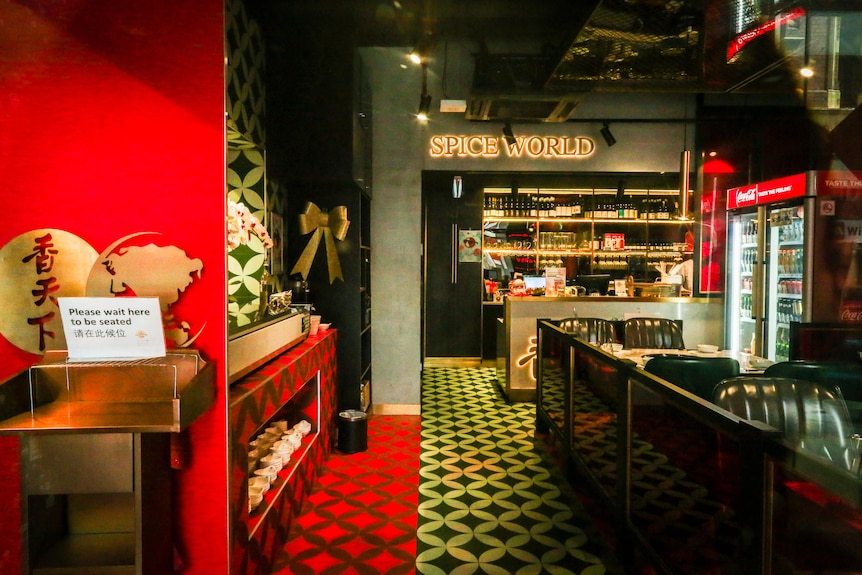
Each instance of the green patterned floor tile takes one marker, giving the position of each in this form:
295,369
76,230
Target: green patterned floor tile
489,500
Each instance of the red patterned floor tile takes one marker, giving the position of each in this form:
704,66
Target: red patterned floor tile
361,514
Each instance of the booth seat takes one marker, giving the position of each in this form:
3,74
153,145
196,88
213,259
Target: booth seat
590,329
698,375
809,415
652,333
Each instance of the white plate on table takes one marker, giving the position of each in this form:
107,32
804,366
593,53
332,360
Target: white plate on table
759,362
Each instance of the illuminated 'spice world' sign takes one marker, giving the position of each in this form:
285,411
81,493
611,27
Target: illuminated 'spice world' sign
554,147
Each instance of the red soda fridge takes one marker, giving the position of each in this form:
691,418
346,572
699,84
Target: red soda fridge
794,255
770,235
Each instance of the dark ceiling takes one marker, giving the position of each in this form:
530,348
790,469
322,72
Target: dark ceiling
537,58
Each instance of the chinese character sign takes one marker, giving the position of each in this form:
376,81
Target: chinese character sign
41,266
38,267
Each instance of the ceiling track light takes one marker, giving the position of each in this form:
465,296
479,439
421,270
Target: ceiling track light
424,107
425,98
606,134
508,135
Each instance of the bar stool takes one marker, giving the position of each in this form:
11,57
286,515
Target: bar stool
652,333
697,375
591,329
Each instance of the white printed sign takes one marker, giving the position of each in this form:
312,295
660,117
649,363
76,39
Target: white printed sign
555,281
103,328
847,230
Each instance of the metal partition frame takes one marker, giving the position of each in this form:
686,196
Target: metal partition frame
620,396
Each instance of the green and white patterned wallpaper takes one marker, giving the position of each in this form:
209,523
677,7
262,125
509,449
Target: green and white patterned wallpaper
246,161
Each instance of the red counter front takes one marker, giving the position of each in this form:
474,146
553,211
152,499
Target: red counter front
299,384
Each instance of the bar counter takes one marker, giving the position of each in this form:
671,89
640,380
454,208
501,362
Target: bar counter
702,319
691,488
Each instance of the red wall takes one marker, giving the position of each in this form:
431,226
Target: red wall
112,123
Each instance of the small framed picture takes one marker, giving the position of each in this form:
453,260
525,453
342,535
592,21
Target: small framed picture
470,245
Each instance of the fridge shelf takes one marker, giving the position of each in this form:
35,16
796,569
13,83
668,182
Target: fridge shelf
790,295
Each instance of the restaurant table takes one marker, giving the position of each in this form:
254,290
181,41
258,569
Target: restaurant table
748,364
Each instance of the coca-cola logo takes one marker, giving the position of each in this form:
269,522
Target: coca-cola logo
747,195
851,314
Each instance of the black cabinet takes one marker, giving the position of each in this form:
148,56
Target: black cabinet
452,296
492,312
322,154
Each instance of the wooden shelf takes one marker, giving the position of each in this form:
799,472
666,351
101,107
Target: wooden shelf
276,490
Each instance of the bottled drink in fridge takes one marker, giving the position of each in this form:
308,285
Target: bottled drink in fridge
850,308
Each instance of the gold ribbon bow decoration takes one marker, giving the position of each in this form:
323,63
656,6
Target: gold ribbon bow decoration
331,225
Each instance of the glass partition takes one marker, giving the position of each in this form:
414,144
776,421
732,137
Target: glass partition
555,373
694,480
597,385
815,519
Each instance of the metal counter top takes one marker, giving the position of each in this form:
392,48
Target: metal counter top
141,396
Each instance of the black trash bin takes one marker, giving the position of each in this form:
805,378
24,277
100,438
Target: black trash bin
352,431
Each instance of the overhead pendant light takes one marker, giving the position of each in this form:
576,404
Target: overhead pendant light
684,182
684,169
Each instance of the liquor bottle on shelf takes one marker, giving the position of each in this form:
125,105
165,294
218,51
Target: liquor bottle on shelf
577,208
663,213
563,209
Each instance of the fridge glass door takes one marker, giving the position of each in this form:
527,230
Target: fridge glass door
741,293
786,263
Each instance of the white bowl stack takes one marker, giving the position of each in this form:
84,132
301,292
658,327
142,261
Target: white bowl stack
268,453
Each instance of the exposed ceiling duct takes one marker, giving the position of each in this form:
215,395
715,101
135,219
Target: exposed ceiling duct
534,61
624,45
530,107
512,88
